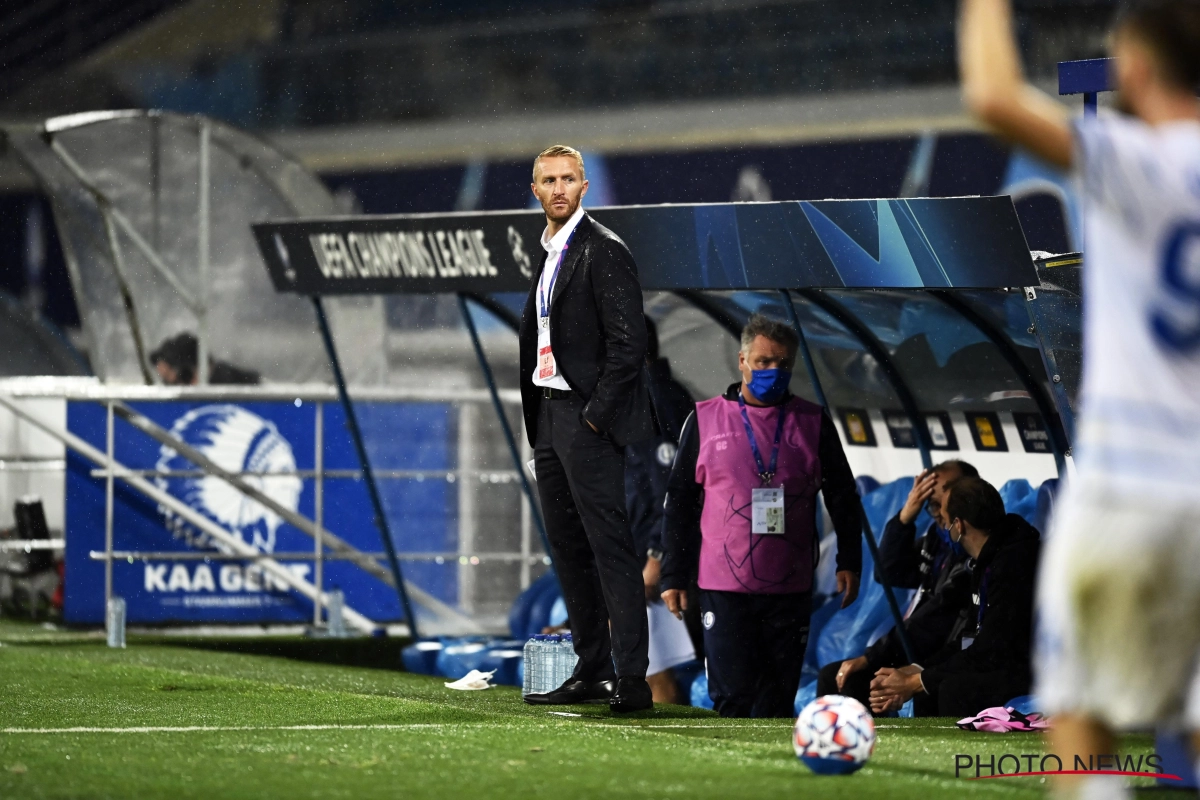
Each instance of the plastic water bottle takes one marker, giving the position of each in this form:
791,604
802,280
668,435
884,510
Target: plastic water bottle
533,657
567,659
527,664
337,622
553,655
114,621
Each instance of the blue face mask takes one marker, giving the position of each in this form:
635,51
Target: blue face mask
769,385
955,547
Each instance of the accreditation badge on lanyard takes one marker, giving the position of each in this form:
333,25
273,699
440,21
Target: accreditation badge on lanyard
767,505
766,510
547,368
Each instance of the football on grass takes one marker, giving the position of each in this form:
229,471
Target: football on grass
834,735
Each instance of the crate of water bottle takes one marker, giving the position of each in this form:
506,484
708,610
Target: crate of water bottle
549,662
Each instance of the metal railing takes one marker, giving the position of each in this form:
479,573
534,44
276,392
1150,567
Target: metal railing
327,545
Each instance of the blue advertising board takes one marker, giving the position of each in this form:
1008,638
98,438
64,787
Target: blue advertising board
955,242
276,438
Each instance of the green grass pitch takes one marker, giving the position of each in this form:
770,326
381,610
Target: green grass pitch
269,719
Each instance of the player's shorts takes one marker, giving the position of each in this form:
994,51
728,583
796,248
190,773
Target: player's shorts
1118,621
670,644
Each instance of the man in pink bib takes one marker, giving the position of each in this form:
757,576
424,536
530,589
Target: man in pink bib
741,511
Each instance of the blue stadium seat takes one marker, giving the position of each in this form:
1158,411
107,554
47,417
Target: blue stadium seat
1021,499
558,612
865,484
460,656
420,658
1047,495
506,657
531,609
541,608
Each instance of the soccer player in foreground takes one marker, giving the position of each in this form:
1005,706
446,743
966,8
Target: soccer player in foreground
1119,593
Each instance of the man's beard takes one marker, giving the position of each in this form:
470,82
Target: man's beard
549,209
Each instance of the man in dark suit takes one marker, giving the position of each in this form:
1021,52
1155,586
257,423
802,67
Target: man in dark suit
584,396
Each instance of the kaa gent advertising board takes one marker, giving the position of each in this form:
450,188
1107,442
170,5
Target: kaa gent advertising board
275,443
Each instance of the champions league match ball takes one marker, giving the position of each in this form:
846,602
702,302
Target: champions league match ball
834,735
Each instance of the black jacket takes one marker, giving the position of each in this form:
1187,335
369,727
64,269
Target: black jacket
685,501
648,462
598,335
911,563
228,373
1002,582
942,576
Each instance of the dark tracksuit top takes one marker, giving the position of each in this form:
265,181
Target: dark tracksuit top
648,462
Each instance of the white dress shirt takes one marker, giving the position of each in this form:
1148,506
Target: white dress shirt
554,251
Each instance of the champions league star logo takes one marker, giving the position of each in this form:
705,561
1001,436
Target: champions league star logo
524,262
239,442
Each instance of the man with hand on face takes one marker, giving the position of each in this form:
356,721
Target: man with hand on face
741,511
986,660
584,397
933,565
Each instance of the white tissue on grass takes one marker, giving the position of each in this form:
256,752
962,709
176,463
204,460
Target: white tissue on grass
472,681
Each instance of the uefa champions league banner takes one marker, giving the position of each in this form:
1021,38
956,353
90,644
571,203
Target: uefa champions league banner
277,439
966,243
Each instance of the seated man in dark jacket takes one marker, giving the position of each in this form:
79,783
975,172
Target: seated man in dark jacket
931,564
987,660
176,362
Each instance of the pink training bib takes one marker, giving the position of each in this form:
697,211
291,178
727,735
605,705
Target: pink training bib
732,558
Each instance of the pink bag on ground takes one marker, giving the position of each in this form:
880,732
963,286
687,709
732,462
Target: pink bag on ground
1003,720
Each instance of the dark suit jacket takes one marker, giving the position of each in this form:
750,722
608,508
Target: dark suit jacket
598,335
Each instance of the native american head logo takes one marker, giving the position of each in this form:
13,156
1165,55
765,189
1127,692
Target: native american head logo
240,442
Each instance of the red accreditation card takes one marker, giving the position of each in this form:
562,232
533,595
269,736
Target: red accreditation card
546,366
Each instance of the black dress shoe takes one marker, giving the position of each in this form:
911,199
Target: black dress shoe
574,691
632,694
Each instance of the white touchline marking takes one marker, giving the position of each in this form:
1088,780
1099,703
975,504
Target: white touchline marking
722,727
219,728
347,727
382,727
564,714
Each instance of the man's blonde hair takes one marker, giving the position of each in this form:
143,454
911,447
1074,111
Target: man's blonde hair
557,150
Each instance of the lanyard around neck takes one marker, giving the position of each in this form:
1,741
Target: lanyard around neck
983,586
764,473
544,290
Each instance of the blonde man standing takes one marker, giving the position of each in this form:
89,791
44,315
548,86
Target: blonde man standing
584,396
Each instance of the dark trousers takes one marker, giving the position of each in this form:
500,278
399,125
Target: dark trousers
581,484
968,694
754,645
958,696
857,684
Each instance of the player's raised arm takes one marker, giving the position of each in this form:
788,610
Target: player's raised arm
995,90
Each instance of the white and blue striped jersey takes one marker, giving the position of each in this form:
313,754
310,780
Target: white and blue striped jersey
1139,424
